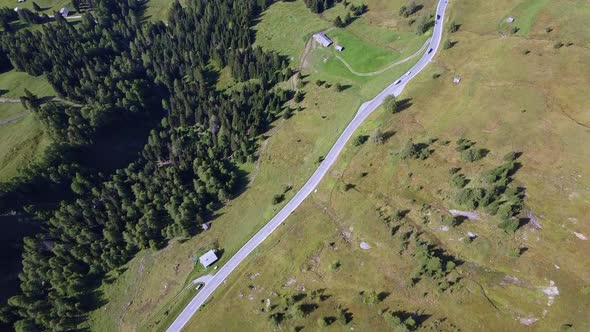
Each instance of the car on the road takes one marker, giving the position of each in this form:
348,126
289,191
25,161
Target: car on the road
397,82
438,17
430,51
408,73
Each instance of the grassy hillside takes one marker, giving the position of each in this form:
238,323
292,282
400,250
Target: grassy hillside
518,93
22,141
14,83
144,295
508,100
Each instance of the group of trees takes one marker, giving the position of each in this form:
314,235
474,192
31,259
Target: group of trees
117,71
496,194
318,6
409,9
348,18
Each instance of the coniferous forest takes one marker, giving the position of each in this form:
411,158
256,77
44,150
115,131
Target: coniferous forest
124,82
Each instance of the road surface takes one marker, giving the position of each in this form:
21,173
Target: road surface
364,111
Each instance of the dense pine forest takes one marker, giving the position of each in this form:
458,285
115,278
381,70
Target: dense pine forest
118,78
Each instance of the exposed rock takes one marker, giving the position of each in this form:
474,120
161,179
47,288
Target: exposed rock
528,320
552,291
365,246
471,215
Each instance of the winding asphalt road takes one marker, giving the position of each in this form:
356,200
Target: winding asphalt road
364,111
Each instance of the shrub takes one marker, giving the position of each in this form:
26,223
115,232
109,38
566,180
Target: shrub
472,155
422,25
448,44
323,321
463,144
514,30
278,198
565,327
276,318
371,297
454,170
335,266
399,215
558,45
510,156
339,87
448,220
319,82
451,265
392,320
360,140
402,11
344,317
298,97
514,252
377,136
415,151
453,27
459,181
509,225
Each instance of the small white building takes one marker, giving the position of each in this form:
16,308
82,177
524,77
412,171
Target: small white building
208,258
339,48
457,80
64,12
20,1
322,39
510,19
17,9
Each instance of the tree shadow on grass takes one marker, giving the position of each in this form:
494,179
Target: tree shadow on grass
403,104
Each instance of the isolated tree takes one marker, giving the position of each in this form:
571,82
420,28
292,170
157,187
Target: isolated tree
338,22
339,87
422,25
377,137
371,297
390,104
453,27
298,97
403,11
360,140
448,44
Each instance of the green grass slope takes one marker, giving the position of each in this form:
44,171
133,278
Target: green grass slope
145,294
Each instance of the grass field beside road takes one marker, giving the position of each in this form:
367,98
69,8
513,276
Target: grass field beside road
151,280
23,141
506,101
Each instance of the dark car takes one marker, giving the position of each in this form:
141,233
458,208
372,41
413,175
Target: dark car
429,51
438,17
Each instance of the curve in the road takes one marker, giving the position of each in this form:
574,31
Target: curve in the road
386,68
364,111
